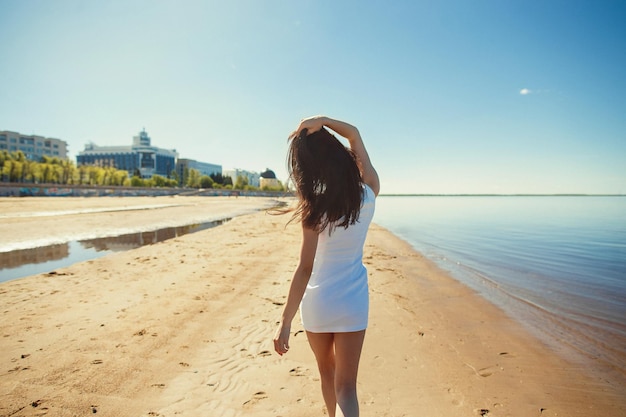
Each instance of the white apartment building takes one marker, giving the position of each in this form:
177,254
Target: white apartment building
33,146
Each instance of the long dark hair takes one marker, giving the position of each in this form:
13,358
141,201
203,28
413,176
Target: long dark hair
327,179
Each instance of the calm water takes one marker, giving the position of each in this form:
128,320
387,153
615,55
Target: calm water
557,264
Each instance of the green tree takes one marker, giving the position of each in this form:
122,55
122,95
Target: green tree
206,182
183,180
67,171
17,171
242,182
57,170
93,175
35,173
136,181
280,187
159,181
193,180
217,178
83,174
4,156
174,176
27,169
7,167
101,176
19,156
120,177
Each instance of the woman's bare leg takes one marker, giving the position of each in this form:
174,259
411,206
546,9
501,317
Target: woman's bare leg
338,356
323,348
348,348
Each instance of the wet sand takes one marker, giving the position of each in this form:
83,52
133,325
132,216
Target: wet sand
39,221
184,327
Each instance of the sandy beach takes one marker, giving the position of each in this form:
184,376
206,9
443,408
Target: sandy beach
184,327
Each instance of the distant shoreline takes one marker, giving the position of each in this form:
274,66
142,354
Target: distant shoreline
502,195
81,190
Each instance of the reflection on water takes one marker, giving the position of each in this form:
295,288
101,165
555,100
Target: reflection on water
26,262
17,258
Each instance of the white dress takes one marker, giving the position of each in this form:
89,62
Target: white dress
336,298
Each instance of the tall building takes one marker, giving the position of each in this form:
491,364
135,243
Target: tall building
33,146
204,168
140,157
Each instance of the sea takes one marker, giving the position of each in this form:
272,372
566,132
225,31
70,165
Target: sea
556,264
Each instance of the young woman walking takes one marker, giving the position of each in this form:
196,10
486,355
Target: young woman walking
337,187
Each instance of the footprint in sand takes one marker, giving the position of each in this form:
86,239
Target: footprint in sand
258,396
297,371
485,372
379,361
507,355
276,303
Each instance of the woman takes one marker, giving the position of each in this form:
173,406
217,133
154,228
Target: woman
337,188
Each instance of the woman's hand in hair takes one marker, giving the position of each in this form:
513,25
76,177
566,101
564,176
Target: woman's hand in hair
311,124
351,133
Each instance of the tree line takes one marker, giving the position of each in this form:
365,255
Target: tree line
15,167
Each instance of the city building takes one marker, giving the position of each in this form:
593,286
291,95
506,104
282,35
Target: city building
33,146
204,168
253,177
141,157
268,179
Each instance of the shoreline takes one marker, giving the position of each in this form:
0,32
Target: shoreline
185,326
583,343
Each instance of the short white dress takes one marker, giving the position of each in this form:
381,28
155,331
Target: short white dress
336,299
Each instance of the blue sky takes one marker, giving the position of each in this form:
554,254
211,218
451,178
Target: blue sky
450,96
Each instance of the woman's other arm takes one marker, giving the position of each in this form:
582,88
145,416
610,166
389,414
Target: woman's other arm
352,134
298,285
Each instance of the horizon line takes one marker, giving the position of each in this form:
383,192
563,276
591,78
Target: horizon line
498,195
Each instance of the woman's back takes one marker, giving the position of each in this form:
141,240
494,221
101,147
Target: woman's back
343,248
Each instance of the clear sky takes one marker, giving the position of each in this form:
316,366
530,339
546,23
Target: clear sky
451,96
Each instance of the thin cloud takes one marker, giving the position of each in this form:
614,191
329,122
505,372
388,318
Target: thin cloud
524,91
